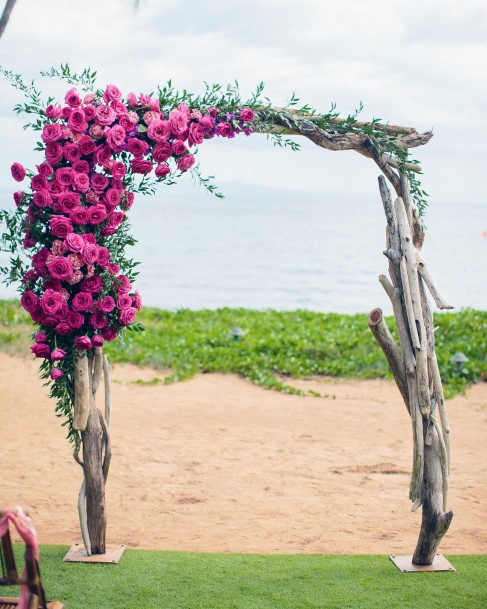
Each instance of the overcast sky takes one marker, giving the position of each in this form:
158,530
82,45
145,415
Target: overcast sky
419,63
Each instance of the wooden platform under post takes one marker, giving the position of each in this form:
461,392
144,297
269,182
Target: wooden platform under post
405,564
77,553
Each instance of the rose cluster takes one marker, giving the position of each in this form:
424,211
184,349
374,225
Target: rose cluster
79,198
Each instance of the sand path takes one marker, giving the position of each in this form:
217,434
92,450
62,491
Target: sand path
217,464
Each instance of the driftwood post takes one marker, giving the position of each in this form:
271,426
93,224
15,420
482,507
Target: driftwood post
93,434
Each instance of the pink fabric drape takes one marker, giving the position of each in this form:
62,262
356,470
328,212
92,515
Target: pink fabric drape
26,530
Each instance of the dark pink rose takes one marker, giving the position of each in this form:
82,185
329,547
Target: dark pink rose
103,256
82,301
109,334
123,284
77,121
137,301
115,219
98,320
60,226
137,147
124,302
39,261
90,253
224,129
132,100
97,214
18,197
54,152
29,242
41,198
55,189
246,115
81,167
92,284
75,320
65,175
56,374
68,201
48,320
41,350
63,328
79,215
113,268
97,341
81,182
29,301
83,343
52,132
71,152
178,147
31,275
40,337
117,169
75,242
103,155
158,130
105,115
18,172
196,134
53,284
86,145
116,136
89,238
162,152
127,316
57,355
186,162
51,302
112,197
98,182
72,98
106,304
52,111
45,169
206,122
179,121
141,166
112,94
90,112
60,268
162,170
38,182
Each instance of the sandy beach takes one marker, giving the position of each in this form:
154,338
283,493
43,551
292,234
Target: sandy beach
217,464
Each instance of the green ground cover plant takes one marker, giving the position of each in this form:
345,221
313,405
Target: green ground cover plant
276,345
184,580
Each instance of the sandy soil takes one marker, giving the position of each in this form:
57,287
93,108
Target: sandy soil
217,464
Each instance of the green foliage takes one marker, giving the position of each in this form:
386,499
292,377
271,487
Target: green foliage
277,345
186,580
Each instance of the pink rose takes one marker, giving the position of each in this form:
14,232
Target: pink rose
196,134
39,261
123,284
97,214
89,238
141,166
162,152
132,100
103,256
57,355
116,136
52,132
179,122
71,152
162,170
53,152
72,98
117,169
83,343
158,130
81,182
113,268
60,268
90,112
109,334
137,147
92,284
206,122
41,350
38,182
51,302
246,115
87,145
18,172
103,155
137,301
106,304
41,198
105,115
112,94
60,226
52,111
98,320
97,341
112,197
63,328
224,129
40,337
115,219
18,197
127,316
75,242
75,320
68,201
90,253
186,162
81,167
56,374
82,301
29,301
124,302
98,182
79,215
178,147
65,175
77,121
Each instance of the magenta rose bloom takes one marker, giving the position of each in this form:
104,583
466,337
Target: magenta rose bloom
45,169
196,134
86,145
98,320
206,122
97,214
60,226
90,253
92,284
40,337
77,121
39,261
124,302
41,350
106,304
90,112
246,115
186,162
162,170
60,268
79,215
74,242
56,374
103,256
137,147
123,284
38,182
57,355
109,334
97,341
116,136
98,182
63,328
68,201
82,302
83,343
52,111
224,129
74,320
112,94
29,301
179,122
178,147
41,198
158,130
112,197
72,98
162,152
52,132
141,166
127,316
103,155
105,115
51,302
71,152
54,152
81,166
18,172
81,182
117,169
65,175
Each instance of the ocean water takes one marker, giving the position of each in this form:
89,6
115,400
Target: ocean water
292,252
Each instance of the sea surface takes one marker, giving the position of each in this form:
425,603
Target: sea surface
292,252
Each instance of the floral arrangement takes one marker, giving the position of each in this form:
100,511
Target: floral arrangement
79,287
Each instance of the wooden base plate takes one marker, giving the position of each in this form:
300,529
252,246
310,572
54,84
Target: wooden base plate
405,564
77,553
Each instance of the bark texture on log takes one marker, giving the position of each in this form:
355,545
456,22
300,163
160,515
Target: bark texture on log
415,367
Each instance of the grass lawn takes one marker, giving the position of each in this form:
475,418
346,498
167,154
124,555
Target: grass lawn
276,345
182,580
